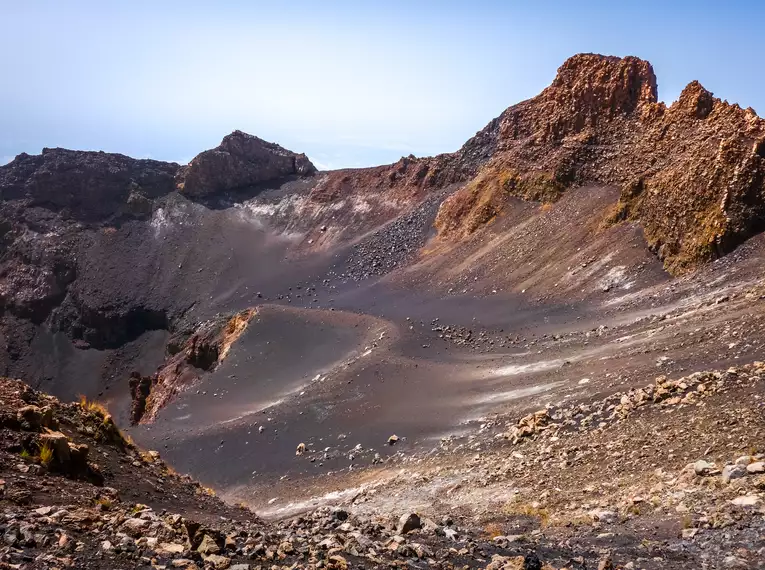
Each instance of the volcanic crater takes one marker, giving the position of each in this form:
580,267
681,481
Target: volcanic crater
583,244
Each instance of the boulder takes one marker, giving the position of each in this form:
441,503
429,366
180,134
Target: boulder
134,526
170,548
732,472
33,418
702,467
208,546
59,443
408,522
217,561
240,161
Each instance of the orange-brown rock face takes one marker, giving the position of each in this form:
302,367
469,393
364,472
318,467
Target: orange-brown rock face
241,160
692,174
190,353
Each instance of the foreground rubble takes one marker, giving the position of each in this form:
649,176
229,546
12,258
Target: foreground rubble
74,493
671,475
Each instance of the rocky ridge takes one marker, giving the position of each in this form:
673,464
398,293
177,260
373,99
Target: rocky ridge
61,210
691,173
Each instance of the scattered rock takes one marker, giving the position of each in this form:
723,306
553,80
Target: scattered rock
208,546
732,472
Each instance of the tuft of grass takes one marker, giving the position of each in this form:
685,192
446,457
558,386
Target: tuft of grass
105,503
46,455
93,406
127,438
529,511
26,456
493,529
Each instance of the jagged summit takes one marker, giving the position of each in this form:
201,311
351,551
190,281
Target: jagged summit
692,173
590,86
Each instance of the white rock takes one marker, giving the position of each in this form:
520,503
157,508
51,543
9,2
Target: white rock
170,548
746,501
731,472
702,467
690,532
134,526
604,516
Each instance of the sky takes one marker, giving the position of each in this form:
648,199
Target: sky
349,83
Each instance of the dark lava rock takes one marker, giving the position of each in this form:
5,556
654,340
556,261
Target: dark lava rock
84,185
241,160
408,522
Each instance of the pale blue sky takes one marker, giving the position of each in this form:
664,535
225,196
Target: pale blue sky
349,83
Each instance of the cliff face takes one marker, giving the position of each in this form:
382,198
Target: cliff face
692,174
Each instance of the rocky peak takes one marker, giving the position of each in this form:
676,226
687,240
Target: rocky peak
605,83
695,101
693,174
241,160
590,89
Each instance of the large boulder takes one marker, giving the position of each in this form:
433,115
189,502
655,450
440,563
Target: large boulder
240,161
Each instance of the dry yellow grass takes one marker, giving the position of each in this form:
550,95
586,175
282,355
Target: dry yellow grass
105,502
93,406
529,511
46,455
493,529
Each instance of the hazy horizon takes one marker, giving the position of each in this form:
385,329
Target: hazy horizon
350,85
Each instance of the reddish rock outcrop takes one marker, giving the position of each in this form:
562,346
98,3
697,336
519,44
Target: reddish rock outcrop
692,174
190,352
241,160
